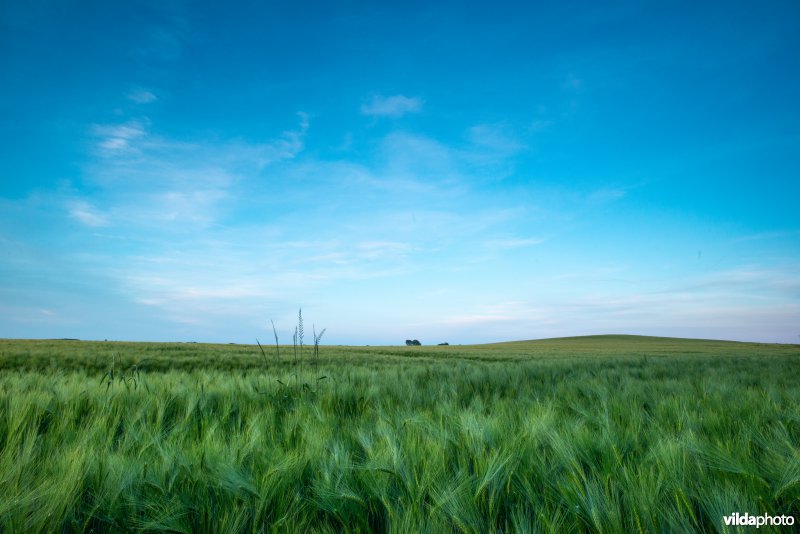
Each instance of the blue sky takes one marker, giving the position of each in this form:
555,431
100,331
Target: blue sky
445,171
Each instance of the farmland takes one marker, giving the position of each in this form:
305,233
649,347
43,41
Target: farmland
590,434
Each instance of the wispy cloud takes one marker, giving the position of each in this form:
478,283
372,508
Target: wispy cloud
163,42
391,106
237,279
393,250
496,138
606,195
754,280
540,125
513,242
141,96
743,311
195,207
287,146
133,155
508,313
116,139
229,230
765,236
86,213
572,83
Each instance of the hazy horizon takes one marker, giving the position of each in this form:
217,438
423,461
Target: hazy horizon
269,348
448,172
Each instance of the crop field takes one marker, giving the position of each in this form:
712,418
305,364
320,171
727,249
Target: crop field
593,434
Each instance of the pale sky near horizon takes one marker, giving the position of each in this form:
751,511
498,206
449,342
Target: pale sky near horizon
442,171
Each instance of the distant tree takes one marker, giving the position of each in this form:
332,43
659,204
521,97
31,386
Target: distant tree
413,342
445,343
409,342
416,342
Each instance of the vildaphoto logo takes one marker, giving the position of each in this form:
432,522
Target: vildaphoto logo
746,520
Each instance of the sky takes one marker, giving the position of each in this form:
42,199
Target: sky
456,172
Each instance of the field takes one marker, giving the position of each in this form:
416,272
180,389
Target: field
594,434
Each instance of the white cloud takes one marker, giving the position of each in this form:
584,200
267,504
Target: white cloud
372,248
391,106
708,313
86,213
540,125
115,139
418,163
165,43
196,207
141,96
288,146
513,242
776,281
222,232
763,236
509,313
134,159
495,138
572,83
132,154
606,195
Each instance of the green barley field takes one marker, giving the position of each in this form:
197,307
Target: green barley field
603,434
